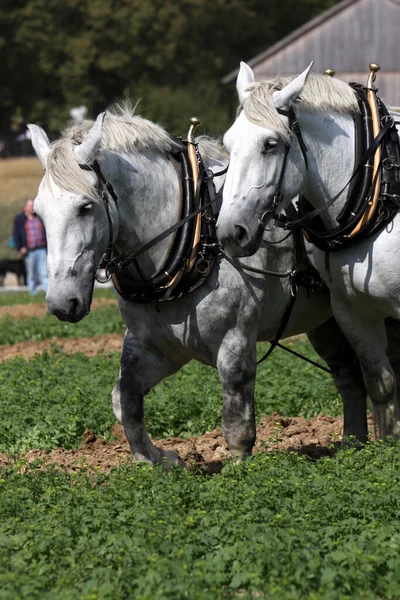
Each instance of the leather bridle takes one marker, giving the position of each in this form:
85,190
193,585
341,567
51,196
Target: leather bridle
107,191
278,196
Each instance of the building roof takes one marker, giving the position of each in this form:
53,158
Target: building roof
346,38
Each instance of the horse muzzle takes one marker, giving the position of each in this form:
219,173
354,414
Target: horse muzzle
238,240
71,310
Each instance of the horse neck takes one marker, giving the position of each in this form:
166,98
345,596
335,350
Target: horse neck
148,188
330,141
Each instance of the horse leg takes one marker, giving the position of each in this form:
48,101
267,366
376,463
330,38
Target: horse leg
369,340
236,364
393,336
140,371
332,345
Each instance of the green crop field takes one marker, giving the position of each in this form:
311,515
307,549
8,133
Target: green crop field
279,526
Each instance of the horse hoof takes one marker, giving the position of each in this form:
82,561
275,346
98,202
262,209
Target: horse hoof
353,442
170,459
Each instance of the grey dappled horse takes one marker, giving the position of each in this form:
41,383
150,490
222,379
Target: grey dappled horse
217,324
364,279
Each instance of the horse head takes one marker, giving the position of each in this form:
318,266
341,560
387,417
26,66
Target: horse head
72,209
258,143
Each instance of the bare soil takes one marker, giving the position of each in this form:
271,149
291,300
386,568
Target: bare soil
110,342
314,438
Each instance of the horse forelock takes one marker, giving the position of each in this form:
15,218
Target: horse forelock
320,93
63,169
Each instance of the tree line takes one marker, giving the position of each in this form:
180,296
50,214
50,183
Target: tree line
171,54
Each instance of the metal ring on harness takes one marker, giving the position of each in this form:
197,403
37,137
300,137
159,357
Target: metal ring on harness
261,220
107,275
203,266
388,164
387,119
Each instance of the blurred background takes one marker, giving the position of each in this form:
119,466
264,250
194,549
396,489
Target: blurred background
64,60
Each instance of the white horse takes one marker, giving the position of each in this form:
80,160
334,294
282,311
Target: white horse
364,280
218,323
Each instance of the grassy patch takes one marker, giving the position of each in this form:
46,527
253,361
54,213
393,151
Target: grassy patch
11,298
50,401
278,526
190,402
102,320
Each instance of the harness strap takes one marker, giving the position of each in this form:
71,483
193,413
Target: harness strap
284,322
95,167
317,211
122,260
294,126
312,362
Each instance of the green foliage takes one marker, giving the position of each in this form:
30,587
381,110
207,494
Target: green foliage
68,52
190,402
11,298
102,320
292,386
278,526
159,103
49,401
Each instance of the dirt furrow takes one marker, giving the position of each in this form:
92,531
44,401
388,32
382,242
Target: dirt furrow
314,438
109,342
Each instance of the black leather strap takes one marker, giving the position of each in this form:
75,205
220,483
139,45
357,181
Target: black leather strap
282,327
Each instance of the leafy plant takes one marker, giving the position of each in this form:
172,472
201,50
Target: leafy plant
277,526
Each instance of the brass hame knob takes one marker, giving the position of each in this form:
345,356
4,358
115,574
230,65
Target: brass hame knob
330,72
374,68
194,123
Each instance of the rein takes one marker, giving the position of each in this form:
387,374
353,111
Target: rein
278,197
123,260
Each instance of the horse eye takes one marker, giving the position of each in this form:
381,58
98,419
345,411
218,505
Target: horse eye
85,208
268,146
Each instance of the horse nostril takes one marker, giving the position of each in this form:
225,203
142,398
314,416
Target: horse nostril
240,233
73,306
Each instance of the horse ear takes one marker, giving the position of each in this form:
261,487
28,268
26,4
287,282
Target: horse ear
244,78
40,143
87,151
285,97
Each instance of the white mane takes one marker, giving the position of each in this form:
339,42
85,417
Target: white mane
123,131
320,93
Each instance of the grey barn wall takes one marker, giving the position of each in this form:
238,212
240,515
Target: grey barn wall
345,38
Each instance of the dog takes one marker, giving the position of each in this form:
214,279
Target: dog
13,265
